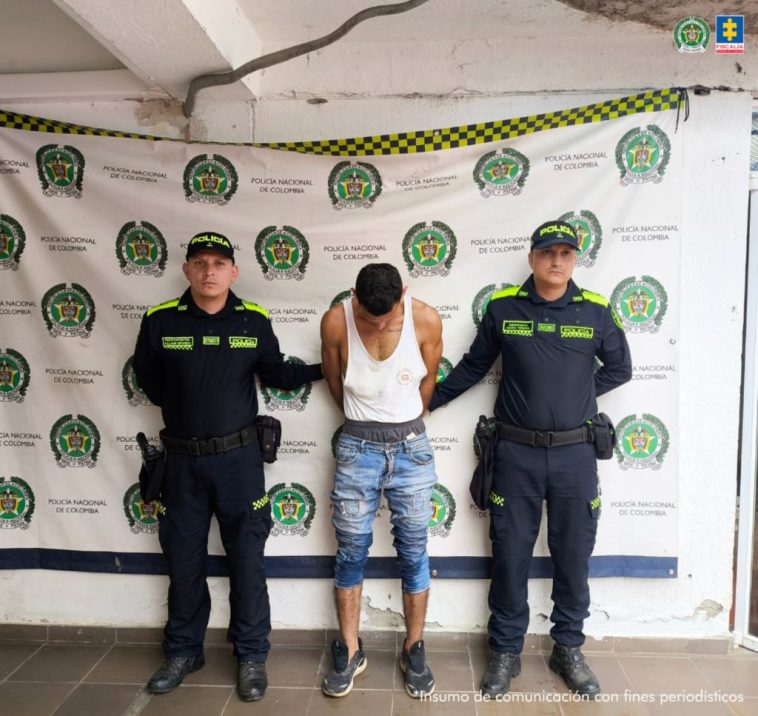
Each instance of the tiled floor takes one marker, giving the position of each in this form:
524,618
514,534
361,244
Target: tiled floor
100,676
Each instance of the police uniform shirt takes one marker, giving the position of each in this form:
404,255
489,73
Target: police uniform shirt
199,367
548,349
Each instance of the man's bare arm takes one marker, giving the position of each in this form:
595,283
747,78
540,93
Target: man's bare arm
332,327
429,335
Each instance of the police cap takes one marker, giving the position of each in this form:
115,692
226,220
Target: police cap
554,232
210,241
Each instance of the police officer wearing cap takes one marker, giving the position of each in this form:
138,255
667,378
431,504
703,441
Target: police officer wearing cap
549,333
196,357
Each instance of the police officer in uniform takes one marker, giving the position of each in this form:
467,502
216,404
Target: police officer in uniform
549,333
196,357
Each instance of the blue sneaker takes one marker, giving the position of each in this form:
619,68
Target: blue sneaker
419,680
339,681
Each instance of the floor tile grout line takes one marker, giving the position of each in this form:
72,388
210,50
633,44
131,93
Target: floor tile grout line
703,674
65,698
316,685
228,699
96,664
141,699
34,653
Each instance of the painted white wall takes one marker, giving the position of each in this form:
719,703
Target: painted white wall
696,604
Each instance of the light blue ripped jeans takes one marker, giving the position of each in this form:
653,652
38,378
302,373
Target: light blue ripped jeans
405,471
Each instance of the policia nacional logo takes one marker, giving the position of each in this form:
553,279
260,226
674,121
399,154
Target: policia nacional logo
642,155
282,253
588,234
75,441
60,170
640,303
14,376
443,512
642,442
16,503
12,242
297,399
353,185
141,249
134,394
210,179
292,509
482,300
429,249
501,173
691,34
142,516
68,310
444,370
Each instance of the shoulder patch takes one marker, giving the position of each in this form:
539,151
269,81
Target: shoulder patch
250,306
506,292
593,297
162,306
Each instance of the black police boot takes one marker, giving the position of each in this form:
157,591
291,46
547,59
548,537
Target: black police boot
503,667
568,661
251,680
172,671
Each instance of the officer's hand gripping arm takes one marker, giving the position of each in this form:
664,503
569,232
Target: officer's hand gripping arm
472,367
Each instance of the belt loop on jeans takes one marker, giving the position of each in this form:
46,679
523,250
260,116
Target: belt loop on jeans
544,438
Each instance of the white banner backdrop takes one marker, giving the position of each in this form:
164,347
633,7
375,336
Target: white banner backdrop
93,231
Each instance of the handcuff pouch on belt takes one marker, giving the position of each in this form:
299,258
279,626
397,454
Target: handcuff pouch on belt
485,437
603,436
151,472
269,436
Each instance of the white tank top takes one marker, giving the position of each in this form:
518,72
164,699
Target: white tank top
384,391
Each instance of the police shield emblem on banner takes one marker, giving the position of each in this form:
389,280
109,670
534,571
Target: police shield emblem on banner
354,185
68,310
691,35
134,394
589,234
501,172
141,249
16,503
640,303
643,441
282,253
12,242
292,509
429,249
75,441
142,516
60,170
642,155
14,376
443,511
210,179
482,300
278,399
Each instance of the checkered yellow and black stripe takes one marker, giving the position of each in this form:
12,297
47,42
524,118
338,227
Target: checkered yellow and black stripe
429,140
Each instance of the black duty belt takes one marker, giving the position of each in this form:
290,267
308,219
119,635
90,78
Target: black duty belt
211,446
544,438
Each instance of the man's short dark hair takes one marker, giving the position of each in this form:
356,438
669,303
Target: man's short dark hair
378,288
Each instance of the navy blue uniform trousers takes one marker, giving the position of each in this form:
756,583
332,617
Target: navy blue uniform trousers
566,479
227,485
